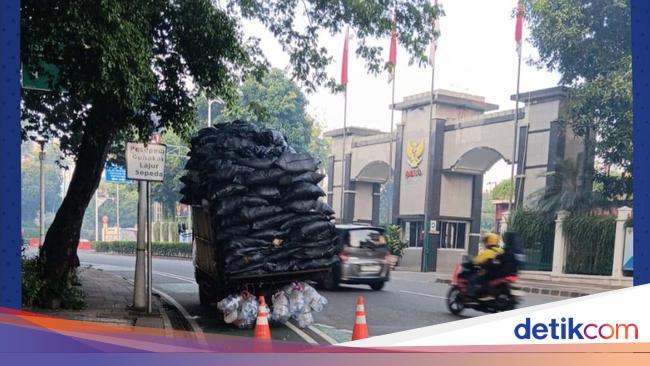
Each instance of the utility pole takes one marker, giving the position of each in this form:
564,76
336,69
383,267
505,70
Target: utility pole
117,207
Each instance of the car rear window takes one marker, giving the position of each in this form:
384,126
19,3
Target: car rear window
366,238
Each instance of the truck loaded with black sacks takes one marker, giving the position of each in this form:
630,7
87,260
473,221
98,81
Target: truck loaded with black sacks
258,219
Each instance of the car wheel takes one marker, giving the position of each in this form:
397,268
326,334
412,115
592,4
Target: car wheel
377,286
454,301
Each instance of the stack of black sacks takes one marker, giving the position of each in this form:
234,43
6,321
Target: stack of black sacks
263,197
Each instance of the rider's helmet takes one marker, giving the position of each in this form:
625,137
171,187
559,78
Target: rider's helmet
491,240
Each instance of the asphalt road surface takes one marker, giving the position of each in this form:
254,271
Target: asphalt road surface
409,300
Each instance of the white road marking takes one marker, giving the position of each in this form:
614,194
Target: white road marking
423,294
322,334
301,334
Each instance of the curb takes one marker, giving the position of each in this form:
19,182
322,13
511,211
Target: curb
535,290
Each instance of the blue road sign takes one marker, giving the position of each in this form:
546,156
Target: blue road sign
115,174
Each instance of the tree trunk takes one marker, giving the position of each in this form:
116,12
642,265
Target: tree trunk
59,250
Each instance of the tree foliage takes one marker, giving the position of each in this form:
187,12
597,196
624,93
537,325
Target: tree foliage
588,43
274,102
127,68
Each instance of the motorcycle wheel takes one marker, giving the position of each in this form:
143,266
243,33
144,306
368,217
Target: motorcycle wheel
504,302
454,301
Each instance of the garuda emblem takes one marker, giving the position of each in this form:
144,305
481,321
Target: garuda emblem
414,152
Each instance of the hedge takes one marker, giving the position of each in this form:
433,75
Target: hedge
537,229
183,250
590,244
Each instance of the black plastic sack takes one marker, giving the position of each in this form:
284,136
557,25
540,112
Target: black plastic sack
316,253
267,192
246,242
280,254
231,205
261,177
306,177
239,230
272,222
256,162
296,162
268,234
300,206
232,220
298,220
269,151
313,229
230,190
271,137
258,212
303,190
324,208
316,263
332,241
222,170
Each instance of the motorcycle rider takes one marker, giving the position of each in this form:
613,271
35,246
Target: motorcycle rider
491,250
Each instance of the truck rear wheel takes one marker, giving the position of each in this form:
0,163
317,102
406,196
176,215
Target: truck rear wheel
205,297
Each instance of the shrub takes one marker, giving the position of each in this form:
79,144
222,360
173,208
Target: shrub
34,290
537,229
31,281
183,250
590,244
394,239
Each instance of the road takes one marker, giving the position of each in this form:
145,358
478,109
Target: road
410,300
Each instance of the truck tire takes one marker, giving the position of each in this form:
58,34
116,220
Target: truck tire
205,297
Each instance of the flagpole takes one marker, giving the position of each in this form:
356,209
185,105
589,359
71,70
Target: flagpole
514,147
390,154
345,118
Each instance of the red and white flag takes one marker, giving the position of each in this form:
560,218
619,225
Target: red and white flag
392,55
519,26
344,65
434,42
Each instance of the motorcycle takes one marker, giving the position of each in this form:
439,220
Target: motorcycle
498,294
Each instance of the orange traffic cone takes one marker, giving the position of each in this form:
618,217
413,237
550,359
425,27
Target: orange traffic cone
262,330
360,330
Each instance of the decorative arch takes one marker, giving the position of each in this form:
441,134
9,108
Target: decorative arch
376,171
477,160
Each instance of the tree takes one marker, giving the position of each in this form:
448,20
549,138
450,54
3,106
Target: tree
121,62
566,193
502,191
275,102
588,42
167,192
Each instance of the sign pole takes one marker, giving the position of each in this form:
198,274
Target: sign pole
149,254
146,164
139,293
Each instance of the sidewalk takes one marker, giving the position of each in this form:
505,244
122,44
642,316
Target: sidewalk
108,298
565,288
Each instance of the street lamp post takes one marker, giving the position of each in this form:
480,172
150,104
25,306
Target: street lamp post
41,158
210,101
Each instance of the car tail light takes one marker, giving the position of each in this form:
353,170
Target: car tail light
344,256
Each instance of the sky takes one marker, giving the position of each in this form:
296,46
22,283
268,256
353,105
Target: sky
476,54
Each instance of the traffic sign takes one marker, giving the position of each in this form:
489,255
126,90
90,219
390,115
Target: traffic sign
115,174
145,162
